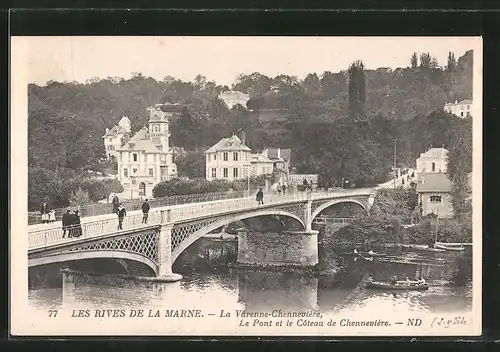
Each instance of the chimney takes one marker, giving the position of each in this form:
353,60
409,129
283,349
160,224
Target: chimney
279,153
107,130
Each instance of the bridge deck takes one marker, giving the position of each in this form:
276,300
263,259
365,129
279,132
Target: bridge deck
47,235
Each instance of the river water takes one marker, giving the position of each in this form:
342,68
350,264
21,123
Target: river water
212,280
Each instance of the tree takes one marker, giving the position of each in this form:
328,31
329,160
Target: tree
452,63
311,83
425,60
79,198
191,164
357,91
414,60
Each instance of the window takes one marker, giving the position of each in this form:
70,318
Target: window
208,157
131,145
154,158
433,167
225,156
111,140
156,128
151,172
134,181
235,173
125,172
462,114
134,157
214,172
134,170
215,156
145,158
225,172
235,156
435,199
121,157
468,107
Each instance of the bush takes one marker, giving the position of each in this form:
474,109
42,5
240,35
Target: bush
179,186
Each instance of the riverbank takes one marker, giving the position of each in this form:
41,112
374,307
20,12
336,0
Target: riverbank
385,225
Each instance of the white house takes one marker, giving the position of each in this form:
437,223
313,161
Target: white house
231,159
434,160
115,137
146,159
233,98
461,109
228,159
434,195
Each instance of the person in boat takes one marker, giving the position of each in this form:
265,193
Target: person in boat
407,279
371,253
370,278
421,282
394,280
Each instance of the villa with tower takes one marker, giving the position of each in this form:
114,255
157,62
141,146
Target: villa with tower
146,159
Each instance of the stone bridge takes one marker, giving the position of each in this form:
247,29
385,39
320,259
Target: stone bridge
171,230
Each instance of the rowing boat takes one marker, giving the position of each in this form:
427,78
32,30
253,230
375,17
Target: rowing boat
449,248
399,287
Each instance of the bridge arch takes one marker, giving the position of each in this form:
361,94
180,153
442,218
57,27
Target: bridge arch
92,254
333,202
205,230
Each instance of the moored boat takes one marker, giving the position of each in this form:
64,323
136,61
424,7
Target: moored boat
449,248
413,286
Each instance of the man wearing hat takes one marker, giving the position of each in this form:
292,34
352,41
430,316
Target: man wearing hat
66,222
145,212
121,215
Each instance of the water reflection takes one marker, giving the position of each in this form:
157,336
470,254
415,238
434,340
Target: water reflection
212,281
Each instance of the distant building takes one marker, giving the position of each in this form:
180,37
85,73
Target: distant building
434,194
433,160
228,159
115,137
233,98
279,154
146,159
461,109
231,159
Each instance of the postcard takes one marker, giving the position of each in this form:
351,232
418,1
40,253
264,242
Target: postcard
246,186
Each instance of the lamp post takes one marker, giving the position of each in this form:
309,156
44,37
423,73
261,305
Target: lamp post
344,181
395,172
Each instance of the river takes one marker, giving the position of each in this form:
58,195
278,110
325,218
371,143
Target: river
212,280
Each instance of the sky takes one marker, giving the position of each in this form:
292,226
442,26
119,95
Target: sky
220,58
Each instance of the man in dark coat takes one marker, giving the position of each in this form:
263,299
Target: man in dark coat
66,222
260,197
145,211
121,215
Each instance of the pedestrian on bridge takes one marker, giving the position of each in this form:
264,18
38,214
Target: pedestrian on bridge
284,188
76,225
44,210
66,222
260,197
145,211
121,215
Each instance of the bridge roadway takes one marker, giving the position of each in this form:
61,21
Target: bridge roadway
46,235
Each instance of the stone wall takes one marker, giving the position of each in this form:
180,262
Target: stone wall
278,249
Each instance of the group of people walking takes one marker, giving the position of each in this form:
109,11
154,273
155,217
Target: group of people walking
71,224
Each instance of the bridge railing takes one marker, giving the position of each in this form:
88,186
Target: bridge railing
136,204
46,237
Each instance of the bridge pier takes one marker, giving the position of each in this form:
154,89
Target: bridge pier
284,249
165,256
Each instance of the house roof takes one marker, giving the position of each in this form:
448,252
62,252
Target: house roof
433,182
141,142
466,101
272,153
116,130
231,143
434,152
